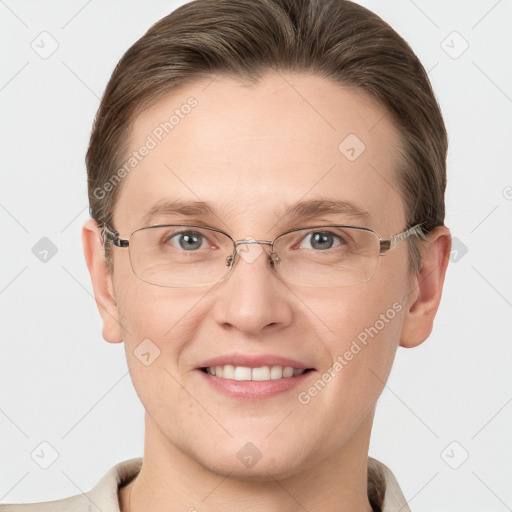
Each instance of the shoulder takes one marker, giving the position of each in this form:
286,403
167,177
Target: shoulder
384,489
78,503
103,496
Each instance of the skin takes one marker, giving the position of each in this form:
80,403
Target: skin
251,150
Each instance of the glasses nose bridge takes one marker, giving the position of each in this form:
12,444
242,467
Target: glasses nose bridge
249,241
254,241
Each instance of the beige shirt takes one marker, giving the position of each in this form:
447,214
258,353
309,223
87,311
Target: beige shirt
104,495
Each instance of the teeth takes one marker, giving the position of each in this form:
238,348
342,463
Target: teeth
243,373
288,372
262,373
229,371
276,372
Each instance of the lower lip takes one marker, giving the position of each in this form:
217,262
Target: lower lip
254,389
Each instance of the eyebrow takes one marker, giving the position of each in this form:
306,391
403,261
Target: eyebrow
318,207
303,210
177,207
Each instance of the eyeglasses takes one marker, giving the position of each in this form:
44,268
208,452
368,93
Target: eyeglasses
186,255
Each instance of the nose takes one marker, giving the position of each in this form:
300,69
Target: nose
253,299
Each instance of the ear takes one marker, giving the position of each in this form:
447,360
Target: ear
426,288
101,281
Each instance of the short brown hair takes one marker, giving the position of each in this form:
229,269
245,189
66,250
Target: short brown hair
335,39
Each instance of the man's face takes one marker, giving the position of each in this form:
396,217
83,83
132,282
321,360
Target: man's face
250,152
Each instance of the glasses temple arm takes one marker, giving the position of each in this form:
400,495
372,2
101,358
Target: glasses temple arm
110,236
390,243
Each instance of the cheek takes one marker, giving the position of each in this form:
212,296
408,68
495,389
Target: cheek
372,310
360,332
146,310
161,322
367,343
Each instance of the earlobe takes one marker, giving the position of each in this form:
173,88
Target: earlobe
425,294
101,281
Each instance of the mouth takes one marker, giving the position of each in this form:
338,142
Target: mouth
251,377
261,373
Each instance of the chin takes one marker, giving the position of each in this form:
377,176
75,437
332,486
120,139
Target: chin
253,462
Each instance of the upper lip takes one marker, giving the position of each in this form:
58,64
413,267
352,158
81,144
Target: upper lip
253,361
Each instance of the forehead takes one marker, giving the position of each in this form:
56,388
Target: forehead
253,151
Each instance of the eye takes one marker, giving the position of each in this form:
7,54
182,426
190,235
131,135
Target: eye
188,240
321,240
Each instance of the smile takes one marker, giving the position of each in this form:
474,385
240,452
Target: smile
262,373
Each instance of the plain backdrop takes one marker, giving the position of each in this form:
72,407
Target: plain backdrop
444,420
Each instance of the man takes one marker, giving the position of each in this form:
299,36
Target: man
266,183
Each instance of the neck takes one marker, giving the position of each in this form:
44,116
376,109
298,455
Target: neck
173,480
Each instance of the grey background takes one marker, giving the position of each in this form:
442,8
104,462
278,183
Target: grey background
60,383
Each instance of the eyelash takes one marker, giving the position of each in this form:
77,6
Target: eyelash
309,234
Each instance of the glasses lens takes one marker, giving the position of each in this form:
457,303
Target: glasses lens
327,256
179,255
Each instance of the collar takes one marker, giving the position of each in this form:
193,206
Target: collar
383,490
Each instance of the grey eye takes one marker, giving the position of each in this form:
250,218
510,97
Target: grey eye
320,240
187,240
